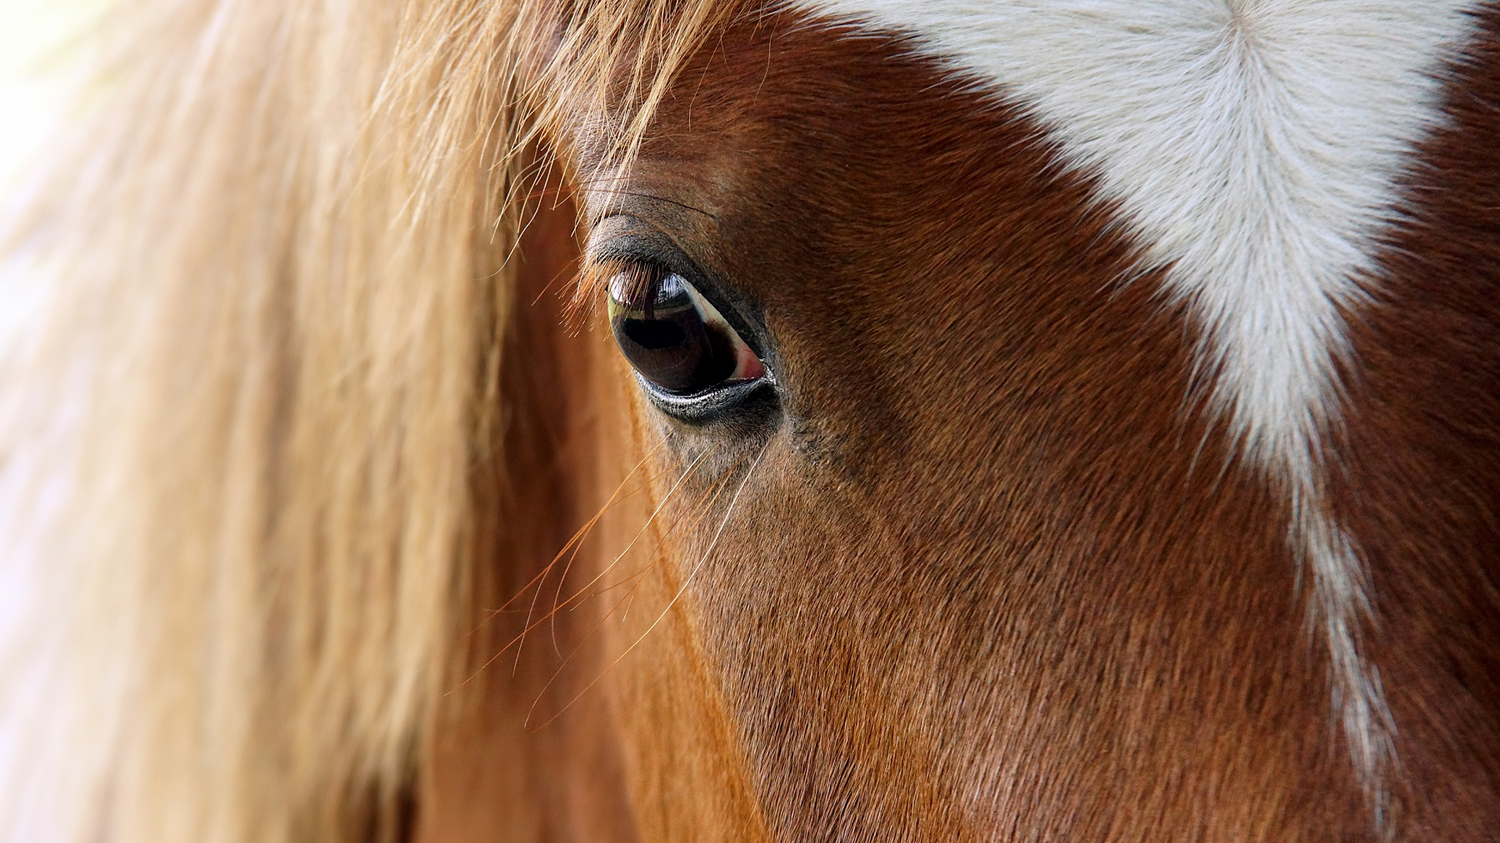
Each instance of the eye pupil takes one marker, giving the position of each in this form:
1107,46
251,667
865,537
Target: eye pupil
673,337
654,334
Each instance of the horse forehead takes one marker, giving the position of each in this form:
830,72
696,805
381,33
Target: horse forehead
1253,151
1253,148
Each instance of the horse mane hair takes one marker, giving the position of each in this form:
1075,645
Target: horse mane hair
237,522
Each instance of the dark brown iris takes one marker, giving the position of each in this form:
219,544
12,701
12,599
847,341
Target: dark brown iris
666,336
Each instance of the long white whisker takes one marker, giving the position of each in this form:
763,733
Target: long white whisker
707,552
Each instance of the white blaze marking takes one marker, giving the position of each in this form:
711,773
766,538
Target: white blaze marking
1253,146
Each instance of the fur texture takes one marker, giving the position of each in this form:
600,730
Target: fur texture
333,525
1253,149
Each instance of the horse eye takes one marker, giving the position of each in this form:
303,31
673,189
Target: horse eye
674,337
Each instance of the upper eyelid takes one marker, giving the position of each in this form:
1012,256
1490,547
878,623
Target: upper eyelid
604,256
643,246
607,202
605,238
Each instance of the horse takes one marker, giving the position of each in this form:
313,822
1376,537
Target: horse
458,420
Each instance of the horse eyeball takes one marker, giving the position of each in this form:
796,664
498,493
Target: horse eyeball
674,337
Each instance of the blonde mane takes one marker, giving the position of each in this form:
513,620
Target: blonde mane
238,451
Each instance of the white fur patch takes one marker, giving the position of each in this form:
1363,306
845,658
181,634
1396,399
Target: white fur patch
1253,146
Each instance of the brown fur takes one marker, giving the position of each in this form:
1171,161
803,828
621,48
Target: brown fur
1417,473
986,577
385,544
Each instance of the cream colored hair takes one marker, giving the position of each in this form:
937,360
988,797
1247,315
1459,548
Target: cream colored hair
235,497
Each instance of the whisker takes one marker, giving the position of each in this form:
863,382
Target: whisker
582,531
695,513
532,625
701,508
562,580
644,527
578,597
704,503
673,602
574,541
